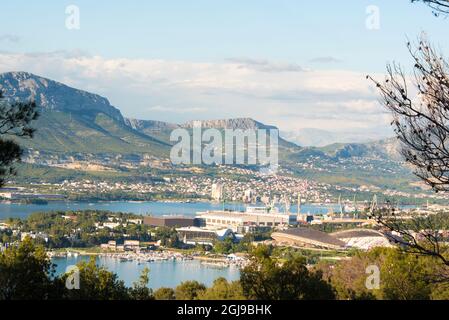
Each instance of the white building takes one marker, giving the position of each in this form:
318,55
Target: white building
109,225
32,235
217,192
253,216
248,196
195,235
364,239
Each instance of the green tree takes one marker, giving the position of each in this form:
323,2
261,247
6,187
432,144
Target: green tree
168,237
164,294
223,290
189,290
15,119
223,247
25,273
97,283
140,290
348,278
267,278
440,292
403,276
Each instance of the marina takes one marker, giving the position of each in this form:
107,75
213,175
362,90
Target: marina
155,256
163,272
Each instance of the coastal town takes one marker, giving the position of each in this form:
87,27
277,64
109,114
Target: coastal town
219,159
236,184
148,238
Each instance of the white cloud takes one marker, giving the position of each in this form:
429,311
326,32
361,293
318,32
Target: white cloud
327,59
265,65
9,38
192,110
283,94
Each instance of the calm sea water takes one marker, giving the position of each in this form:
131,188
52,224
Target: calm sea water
162,273
144,208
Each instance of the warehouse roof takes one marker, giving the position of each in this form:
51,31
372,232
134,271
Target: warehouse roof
310,234
357,233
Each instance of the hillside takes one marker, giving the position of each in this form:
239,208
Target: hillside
237,123
314,137
162,130
50,95
73,120
78,126
388,149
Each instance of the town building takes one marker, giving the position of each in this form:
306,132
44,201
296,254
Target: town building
363,239
248,196
131,245
169,221
136,221
252,217
108,225
32,235
196,235
19,194
217,192
307,238
3,226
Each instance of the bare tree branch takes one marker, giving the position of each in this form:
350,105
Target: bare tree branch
421,117
438,6
420,110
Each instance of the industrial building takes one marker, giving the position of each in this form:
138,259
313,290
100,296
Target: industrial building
252,217
169,221
195,235
307,238
363,239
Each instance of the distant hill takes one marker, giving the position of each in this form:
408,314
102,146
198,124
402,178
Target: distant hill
237,123
162,130
76,124
73,120
54,96
388,149
157,129
313,137
149,126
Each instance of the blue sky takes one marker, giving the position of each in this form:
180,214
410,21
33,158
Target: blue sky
204,30
214,37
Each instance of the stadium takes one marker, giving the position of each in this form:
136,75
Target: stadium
363,239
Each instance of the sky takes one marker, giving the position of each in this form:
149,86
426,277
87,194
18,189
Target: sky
294,64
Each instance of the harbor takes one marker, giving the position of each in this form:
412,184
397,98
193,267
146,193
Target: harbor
167,270
155,256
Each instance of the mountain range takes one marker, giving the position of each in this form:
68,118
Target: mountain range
73,121
313,137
